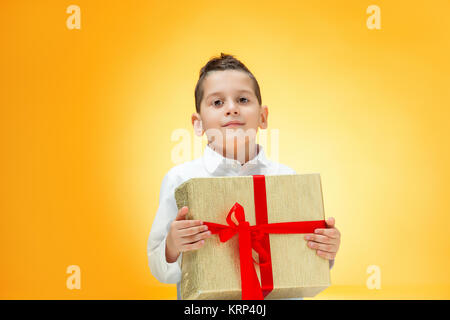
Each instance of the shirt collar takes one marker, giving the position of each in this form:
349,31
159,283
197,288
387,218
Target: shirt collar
214,160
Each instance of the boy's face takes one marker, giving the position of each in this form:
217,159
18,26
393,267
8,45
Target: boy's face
229,96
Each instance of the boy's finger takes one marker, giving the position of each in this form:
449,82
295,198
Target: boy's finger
332,233
330,222
196,237
319,238
183,224
321,246
182,213
326,255
192,246
186,232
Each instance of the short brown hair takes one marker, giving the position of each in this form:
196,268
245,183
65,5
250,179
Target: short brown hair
224,62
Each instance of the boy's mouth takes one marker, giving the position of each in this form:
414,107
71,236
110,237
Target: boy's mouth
232,124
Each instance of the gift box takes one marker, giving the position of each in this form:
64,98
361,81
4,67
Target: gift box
257,250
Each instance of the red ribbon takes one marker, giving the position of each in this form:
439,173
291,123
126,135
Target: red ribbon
257,238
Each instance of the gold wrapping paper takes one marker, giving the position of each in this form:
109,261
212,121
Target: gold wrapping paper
213,272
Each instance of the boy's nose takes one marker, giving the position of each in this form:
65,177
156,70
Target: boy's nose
232,108
233,112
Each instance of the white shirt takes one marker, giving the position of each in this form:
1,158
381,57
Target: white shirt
211,164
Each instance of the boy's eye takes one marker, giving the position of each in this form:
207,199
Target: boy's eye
218,102
215,104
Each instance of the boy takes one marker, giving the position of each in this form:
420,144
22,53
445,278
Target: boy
229,111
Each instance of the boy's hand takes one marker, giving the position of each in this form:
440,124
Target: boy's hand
325,241
184,235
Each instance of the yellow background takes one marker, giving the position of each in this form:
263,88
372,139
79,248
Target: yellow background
87,117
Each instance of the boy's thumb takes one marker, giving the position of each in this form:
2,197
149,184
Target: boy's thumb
182,213
330,222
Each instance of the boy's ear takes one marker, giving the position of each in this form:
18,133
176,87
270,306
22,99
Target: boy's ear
197,123
264,114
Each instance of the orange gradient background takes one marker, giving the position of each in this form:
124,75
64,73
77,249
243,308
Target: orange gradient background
87,118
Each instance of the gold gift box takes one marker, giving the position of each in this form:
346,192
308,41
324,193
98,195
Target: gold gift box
213,272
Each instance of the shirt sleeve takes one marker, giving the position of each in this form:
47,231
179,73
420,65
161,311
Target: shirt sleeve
156,248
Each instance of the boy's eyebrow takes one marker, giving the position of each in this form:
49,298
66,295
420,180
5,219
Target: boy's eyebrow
218,92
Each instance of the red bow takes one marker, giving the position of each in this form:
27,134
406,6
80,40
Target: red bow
256,237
